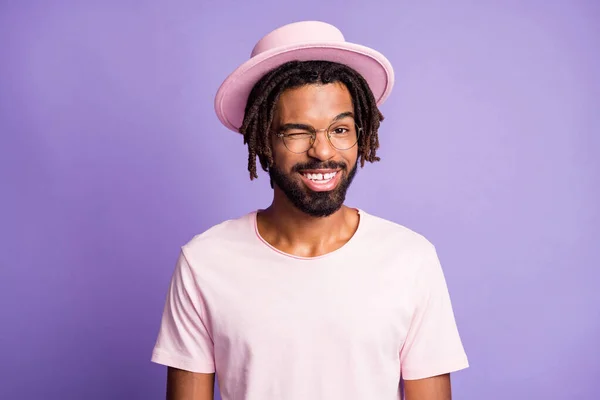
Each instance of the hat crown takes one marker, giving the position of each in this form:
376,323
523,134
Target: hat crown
298,32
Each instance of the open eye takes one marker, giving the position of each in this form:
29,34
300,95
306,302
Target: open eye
340,131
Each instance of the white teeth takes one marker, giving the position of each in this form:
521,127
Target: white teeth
320,177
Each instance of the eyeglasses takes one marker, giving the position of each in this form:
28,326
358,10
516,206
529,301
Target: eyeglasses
341,135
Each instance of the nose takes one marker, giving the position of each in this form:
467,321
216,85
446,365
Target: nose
321,148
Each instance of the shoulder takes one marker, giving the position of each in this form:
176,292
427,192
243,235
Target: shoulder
409,249
224,236
390,233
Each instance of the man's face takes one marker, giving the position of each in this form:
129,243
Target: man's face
306,178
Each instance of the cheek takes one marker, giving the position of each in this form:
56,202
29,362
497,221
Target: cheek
351,156
283,159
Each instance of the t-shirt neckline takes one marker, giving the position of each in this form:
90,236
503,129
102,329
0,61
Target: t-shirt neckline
361,217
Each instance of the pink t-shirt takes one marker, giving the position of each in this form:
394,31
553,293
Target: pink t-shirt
343,326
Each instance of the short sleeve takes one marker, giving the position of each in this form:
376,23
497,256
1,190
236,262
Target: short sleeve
433,345
184,341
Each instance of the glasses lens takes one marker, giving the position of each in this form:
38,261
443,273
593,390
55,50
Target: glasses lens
297,141
343,136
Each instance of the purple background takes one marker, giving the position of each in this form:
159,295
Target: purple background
111,157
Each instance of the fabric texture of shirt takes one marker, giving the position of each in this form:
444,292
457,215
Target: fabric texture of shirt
343,326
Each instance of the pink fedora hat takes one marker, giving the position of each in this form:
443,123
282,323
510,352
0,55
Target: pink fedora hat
301,41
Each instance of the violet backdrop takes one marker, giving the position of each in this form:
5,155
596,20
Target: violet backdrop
111,157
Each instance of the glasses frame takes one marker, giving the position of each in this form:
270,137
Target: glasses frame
313,132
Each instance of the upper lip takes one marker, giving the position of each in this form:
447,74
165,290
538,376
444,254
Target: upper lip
318,171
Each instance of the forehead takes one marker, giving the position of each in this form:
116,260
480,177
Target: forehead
314,104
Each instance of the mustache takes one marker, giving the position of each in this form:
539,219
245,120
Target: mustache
319,165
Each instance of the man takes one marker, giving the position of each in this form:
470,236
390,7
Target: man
308,299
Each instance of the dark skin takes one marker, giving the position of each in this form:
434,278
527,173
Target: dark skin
185,385
282,224
434,388
291,231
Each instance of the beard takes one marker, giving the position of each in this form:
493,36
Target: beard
315,204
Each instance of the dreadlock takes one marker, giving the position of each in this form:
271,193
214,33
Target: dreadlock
262,102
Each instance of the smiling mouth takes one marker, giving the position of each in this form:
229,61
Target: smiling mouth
320,177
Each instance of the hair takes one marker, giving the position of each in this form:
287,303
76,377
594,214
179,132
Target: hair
262,103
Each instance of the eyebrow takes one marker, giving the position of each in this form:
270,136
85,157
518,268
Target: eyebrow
338,117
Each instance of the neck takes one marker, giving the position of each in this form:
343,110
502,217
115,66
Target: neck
290,230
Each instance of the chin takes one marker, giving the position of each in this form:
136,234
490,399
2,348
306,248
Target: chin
316,203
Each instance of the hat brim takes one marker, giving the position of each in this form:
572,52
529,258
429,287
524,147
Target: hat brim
231,98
